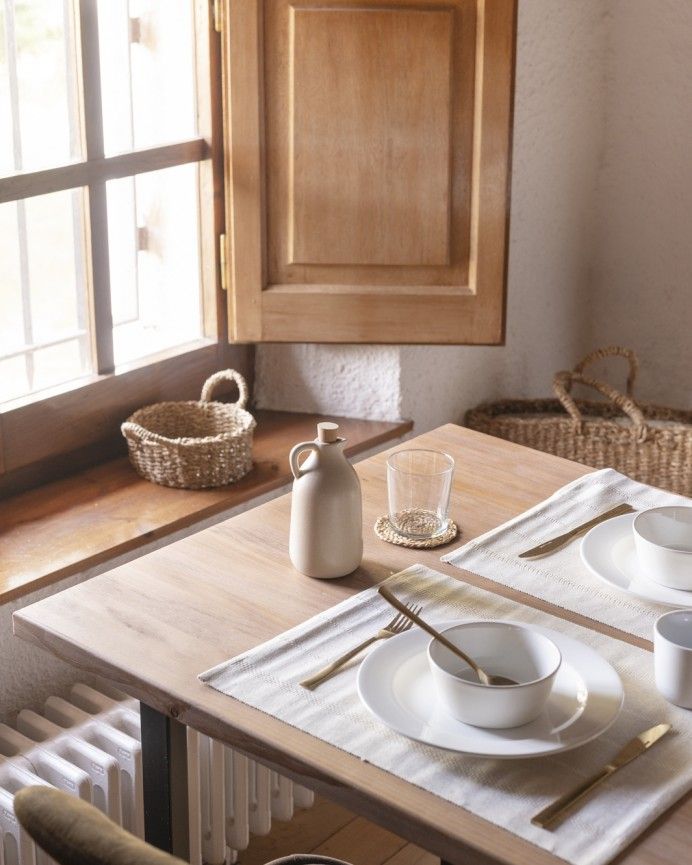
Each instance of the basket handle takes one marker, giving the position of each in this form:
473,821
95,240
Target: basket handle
226,375
613,351
562,383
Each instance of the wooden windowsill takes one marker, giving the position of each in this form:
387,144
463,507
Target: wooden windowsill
73,524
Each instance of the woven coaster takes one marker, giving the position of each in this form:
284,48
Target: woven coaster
386,532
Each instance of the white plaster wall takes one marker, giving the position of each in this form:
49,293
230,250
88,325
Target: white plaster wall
558,128
556,153
642,291
27,674
347,380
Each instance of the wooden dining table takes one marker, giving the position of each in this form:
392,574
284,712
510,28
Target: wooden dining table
153,625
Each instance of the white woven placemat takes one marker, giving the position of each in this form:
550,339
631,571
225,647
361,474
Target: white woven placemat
562,578
505,792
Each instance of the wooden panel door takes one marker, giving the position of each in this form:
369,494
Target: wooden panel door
367,157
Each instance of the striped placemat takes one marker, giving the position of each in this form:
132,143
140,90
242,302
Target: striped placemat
505,792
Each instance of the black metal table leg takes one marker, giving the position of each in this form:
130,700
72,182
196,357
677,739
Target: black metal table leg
164,766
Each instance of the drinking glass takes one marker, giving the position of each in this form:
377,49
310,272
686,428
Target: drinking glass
418,484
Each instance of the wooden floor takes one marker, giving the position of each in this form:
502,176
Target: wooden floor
334,831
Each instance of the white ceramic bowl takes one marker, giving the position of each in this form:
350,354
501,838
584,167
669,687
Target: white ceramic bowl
663,540
501,649
673,657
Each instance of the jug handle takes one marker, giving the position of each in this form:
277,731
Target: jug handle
295,454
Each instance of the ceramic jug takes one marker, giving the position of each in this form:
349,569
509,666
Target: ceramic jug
326,536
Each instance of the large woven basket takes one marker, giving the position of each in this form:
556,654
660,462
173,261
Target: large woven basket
650,443
193,444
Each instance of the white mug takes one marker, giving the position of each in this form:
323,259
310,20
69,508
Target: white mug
673,657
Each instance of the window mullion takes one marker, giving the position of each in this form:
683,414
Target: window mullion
47,180
98,217
25,290
210,177
131,115
79,231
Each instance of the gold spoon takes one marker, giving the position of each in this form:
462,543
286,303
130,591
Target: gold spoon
483,677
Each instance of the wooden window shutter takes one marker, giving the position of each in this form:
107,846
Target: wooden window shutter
367,148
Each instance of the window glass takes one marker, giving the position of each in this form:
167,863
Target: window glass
13,377
147,73
43,292
56,275
39,115
151,228
154,261
10,282
57,363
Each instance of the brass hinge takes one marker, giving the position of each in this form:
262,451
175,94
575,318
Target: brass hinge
218,16
135,26
222,261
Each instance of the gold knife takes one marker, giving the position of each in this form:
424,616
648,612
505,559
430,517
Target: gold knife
556,813
562,540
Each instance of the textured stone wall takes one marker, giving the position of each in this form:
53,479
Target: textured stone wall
557,147
642,289
349,380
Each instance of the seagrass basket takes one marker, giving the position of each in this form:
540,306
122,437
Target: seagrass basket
193,444
650,443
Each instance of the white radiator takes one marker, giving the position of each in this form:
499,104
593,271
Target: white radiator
90,746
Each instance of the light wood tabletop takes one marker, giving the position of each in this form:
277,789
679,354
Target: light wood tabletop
154,624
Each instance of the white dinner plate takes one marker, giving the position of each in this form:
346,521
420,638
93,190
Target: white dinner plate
608,552
395,684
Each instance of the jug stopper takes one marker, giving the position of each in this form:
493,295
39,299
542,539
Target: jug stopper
327,432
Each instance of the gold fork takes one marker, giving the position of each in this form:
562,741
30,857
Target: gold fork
398,625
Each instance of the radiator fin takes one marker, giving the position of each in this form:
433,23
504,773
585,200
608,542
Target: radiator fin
90,746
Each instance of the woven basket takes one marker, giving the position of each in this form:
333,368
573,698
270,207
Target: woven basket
650,443
192,444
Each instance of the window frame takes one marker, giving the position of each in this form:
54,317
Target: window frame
175,373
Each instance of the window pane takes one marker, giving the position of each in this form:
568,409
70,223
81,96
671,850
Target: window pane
11,335
56,364
39,116
122,243
153,238
13,378
43,294
55,241
147,72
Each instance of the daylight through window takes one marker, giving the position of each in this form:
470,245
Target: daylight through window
99,187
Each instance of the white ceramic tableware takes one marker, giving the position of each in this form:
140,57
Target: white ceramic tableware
608,552
395,684
529,658
326,531
673,657
663,540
